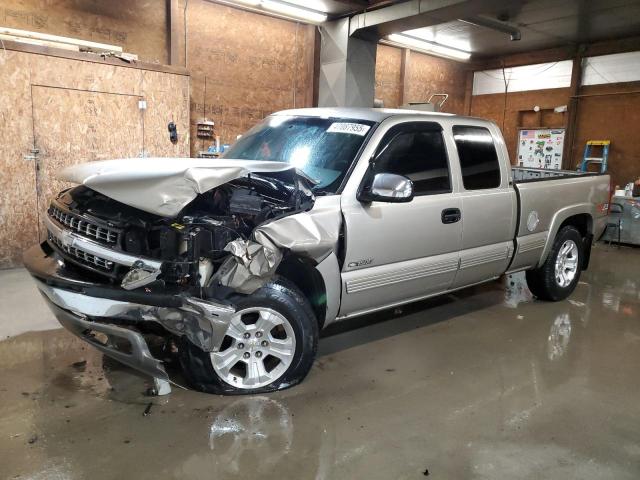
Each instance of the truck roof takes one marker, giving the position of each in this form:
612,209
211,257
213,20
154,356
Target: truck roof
370,114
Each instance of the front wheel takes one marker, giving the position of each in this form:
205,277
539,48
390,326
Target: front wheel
558,276
270,345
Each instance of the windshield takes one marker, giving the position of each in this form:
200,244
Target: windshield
323,148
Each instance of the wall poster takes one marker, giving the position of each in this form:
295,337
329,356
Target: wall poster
541,148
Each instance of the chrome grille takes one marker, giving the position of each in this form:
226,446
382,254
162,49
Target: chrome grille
82,226
83,257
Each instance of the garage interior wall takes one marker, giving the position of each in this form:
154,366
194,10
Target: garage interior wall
607,111
243,66
56,111
249,64
236,79
139,26
423,76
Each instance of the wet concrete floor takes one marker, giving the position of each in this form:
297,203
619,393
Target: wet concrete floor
483,384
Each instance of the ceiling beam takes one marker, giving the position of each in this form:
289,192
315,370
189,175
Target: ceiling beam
492,24
414,14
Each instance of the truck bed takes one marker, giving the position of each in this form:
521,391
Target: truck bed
527,174
545,199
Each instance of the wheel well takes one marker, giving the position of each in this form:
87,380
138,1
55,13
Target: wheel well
303,273
582,222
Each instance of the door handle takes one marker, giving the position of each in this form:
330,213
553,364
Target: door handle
451,215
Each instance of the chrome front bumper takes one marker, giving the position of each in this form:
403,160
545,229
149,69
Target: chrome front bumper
84,308
137,356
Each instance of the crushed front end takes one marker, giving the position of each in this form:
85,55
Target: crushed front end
112,273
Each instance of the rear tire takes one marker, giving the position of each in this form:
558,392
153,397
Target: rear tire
270,345
558,276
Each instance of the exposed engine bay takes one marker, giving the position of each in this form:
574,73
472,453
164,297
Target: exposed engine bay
207,248
174,248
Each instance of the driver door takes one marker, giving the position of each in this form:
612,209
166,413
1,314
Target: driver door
398,252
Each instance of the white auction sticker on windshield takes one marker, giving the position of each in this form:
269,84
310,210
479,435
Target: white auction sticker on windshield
353,128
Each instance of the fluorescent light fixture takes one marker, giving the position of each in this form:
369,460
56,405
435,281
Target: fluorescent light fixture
319,5
428,46
295,11
443,36
253,3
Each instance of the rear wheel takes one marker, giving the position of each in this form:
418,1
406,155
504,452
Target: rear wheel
557,278
270,345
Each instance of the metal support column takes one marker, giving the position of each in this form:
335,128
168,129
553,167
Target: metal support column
347,67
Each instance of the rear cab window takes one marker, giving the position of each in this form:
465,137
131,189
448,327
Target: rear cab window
478,157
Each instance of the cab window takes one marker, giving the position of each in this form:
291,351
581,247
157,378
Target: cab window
478,158
417,151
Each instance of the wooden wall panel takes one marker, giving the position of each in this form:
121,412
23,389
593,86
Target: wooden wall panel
138,26
426,75
613,117
251,64
82,111
506,115
18,205
166,95
77,126
429,75
388,66
167,99
68,73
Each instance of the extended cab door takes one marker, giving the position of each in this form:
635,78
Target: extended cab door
488,202
397,252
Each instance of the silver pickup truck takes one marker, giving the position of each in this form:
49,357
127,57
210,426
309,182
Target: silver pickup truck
313,216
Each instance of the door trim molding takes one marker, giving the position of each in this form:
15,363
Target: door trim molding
401,275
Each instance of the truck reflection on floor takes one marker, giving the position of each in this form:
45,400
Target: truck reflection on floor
559,336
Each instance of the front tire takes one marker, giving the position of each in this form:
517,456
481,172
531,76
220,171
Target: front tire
270,345
558,276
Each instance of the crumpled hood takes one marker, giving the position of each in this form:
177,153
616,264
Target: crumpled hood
162,186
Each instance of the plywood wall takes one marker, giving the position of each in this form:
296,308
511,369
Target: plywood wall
18,200
388,75
505,111
426,75
614,116
251,64
73,111
613,113
139,26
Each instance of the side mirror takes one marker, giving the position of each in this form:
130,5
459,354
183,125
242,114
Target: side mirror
387,187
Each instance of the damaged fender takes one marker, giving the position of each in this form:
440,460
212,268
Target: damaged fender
313,234
250,266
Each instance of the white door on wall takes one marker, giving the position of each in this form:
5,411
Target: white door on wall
541,148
